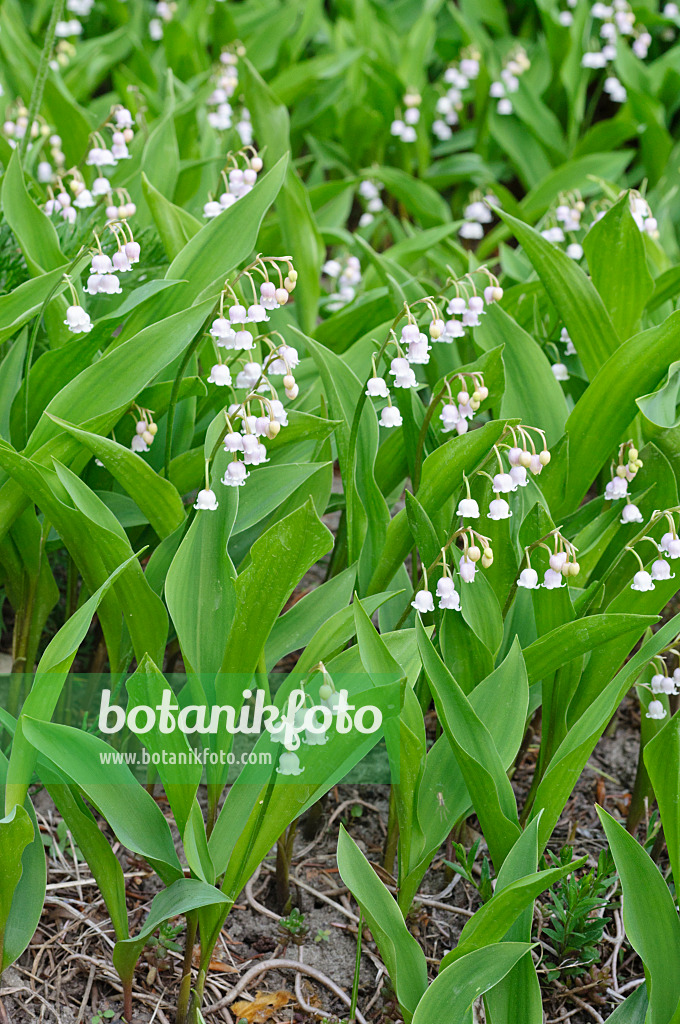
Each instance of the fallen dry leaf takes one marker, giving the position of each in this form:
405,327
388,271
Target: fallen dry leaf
263,1006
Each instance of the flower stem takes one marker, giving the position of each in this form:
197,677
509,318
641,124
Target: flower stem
41,74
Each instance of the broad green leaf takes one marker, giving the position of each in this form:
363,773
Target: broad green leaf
11,370
155,496
605,411
16,833
183,896
402,955
532,394
660,407
476,753
34,230
453,992
661,755
420,199
442,476
47,685
615,251
132,813
646,898
292,545
25,301
199,585
176,226
575,298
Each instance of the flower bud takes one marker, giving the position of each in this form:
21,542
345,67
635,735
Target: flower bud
632,454
621,471
544,457
574,569
281,296
292,392
153,429
525,459
273,428
288,284
256,164
474,554
487,558
463,397
289,381
148,436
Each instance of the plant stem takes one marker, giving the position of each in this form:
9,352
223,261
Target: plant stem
185,985
392,837
41,73
357,968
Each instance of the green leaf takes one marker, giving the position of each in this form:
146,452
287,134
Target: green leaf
292,545
176,226
646,899
660,407
573,639
660,753
420,199
402,955
476,753
531,394
603,414
33,229
575,298
569,759
183,896
16,833
132,813
453,992
26,300
155,496
11,369
615,251
442,476
199,586
293,630
46,689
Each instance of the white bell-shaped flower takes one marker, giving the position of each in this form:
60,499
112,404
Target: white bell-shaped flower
499,509
661,570
206,500
404,377
211,209
419,350
447,594
390,417
376,387
233,442
552,580
468,508
674,548
519,476
655,709
449,417
423,602
248,376
528,579
235,475
78,320
101,264
642,581
631,514
133,251
616,489
257,314
220,375
121,262
467,570
560,371
503,483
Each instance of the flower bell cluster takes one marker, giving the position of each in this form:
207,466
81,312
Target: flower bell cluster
459,409
662,684
165,11
104,269
622,473
477,214
562,564
145,430
221,112
617,21
41,135
259,414
457,92
667,548
369,192
239,178
508,479
345,273
508,82
404,127
476,552
568,212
